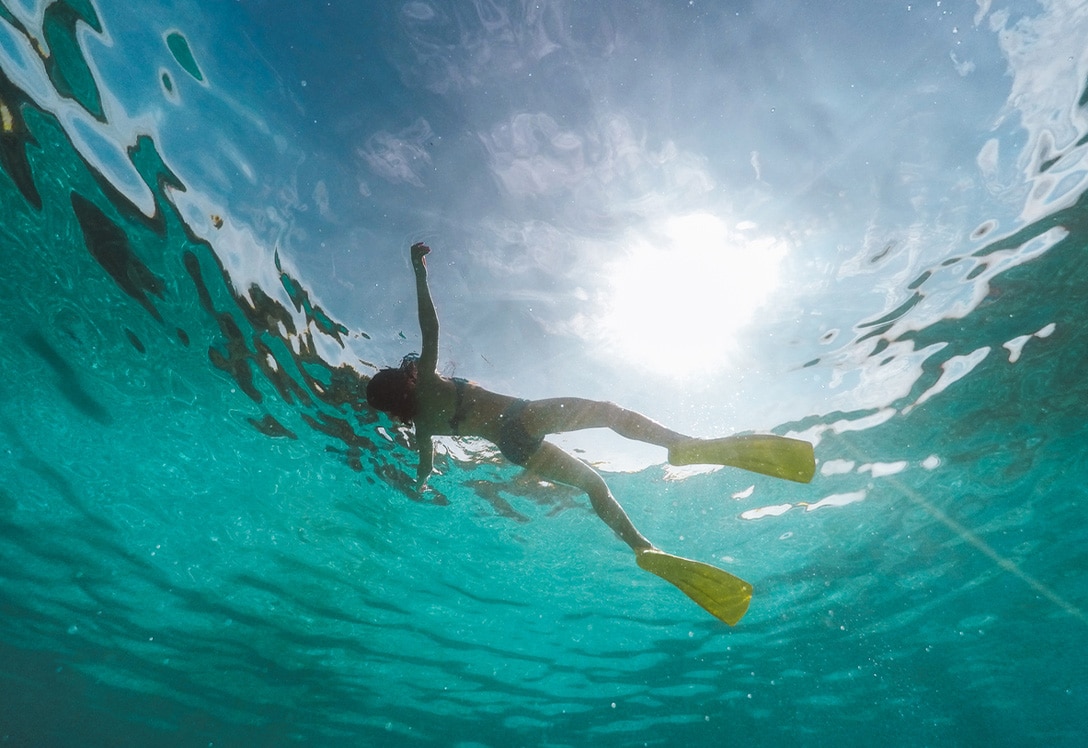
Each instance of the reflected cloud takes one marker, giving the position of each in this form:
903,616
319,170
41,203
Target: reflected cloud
399,157
1048,62
836,467
1016,346
883,469
531,155
455,46
766,511
836,500
607,165
952,370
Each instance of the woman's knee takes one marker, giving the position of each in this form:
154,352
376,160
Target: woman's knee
594,485
601,498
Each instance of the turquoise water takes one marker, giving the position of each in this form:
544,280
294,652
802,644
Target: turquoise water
206,539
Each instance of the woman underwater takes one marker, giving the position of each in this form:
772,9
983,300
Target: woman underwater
415,393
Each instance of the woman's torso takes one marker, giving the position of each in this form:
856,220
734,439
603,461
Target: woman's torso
458,407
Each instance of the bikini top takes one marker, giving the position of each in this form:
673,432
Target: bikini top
459,411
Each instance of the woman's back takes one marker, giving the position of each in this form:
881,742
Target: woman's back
458,407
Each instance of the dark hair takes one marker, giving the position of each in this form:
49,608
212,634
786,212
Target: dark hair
393,391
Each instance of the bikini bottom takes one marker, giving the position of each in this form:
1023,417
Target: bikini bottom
515,443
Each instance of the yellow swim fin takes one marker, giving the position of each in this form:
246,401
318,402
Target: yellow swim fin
770,454
723,595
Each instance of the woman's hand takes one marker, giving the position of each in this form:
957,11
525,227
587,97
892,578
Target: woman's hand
419,250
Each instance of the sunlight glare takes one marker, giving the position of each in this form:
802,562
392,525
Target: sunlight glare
676,304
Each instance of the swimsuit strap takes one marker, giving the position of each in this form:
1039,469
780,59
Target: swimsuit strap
458,409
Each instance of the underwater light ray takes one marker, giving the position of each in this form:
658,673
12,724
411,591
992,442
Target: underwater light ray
974,540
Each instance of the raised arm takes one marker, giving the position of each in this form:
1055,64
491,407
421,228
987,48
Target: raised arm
428,317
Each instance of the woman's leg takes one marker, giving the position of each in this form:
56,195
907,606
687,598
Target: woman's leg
553,464
769,454
718,592
560,414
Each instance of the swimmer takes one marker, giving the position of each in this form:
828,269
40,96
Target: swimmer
416,394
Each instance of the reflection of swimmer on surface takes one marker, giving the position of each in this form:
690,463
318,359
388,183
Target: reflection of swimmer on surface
555,497
415,393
